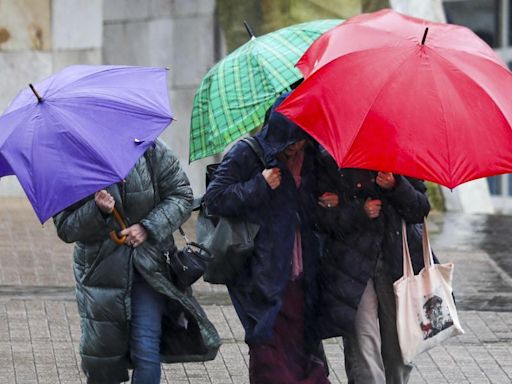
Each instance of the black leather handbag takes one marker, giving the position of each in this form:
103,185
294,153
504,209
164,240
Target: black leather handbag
230,241
188,264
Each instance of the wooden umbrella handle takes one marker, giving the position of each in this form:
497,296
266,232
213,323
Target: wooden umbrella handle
113,235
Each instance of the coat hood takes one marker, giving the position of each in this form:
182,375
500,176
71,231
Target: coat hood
279,132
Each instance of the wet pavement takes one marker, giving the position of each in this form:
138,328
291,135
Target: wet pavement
480,246
490,233
39,323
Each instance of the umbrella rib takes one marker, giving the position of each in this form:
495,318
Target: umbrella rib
11,112
197,115
112,103
445,128
384,85
293,48
482,57
107,69
477,84
275,74
74,132
221,81
253,92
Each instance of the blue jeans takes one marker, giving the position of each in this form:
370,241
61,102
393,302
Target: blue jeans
148,307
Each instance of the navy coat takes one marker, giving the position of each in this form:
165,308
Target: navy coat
354,241
239,189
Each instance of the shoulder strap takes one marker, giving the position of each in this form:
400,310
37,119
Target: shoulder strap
256,147
149,154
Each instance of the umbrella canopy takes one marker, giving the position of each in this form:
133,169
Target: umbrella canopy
234,95
382,92
81,130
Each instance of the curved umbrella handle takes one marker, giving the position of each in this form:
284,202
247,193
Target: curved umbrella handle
113,234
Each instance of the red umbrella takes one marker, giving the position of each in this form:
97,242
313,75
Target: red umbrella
390,92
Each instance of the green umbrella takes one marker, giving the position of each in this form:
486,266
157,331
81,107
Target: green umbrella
234,95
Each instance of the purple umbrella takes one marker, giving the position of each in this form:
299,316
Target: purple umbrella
81,130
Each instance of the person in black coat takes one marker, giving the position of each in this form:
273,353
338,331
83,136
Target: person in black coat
362,215
274,294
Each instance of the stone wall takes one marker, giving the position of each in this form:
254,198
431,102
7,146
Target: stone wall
268,15
177,34
39,37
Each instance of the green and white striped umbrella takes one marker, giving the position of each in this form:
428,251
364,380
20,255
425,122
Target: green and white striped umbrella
234,95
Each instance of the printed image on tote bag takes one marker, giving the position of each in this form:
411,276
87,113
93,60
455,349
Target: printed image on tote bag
436,315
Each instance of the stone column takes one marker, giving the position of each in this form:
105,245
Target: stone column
177,34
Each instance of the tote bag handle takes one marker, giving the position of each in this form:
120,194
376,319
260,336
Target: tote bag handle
428,258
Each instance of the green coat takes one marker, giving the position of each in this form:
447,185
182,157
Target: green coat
104,271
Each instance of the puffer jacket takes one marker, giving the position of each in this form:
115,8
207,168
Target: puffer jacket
354,242
104,271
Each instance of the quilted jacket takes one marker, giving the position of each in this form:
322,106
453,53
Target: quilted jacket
104,271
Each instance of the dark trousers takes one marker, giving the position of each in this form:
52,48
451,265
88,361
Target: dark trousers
284,360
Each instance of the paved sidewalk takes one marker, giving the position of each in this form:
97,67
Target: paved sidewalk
39,324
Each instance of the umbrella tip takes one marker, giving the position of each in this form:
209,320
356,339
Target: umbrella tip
424,36
249,30
39,98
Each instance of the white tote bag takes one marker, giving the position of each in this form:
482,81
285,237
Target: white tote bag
425,310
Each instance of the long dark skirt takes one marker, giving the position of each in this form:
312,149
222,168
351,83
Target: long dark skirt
283,359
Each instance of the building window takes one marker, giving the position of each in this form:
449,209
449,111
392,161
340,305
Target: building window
495,185
481,16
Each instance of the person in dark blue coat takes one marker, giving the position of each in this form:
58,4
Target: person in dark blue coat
275,293
362,259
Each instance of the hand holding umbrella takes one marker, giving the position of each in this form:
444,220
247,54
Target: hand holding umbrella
106,204
385,180
135,235
272,176
105,201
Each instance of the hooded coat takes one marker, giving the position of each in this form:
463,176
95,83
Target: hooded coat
354,242
104,271
239,189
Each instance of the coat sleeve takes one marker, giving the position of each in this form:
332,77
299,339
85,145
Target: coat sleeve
236,187
175,194
340,221
349,215
82,222
409,198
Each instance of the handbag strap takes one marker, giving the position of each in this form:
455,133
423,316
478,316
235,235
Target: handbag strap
407,263
428,258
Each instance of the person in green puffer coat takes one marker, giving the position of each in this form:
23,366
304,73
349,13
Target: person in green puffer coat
132,315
